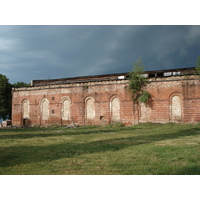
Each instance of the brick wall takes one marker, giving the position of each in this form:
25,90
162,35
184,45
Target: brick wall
166,92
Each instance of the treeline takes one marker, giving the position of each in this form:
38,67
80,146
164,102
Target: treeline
6,96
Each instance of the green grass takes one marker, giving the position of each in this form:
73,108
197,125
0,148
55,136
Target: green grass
141,149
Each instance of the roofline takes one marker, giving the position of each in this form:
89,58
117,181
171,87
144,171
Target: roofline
83,77
116,74
103,77
171,70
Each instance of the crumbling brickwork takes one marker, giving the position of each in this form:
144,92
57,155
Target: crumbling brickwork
106,99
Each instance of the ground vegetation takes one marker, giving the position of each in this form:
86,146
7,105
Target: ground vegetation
147,149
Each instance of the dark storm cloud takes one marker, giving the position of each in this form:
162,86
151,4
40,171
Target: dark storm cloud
41,52
161,47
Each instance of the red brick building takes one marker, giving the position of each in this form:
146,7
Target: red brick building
105,99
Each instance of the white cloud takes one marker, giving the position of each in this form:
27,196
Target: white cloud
7,44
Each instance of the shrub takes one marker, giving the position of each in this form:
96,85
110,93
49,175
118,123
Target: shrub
137,81
144,97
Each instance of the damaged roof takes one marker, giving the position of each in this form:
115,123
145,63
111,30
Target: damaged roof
110,77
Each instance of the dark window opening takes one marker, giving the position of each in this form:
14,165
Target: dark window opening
152,75
159,75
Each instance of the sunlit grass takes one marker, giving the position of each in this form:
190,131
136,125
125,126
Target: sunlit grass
141,149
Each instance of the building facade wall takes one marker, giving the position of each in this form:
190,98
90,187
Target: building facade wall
174,99
83,105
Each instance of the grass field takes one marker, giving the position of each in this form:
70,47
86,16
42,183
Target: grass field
141,149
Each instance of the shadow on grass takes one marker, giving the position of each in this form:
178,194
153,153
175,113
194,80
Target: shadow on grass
32,133
11,156
194,170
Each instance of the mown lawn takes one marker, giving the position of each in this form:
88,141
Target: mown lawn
141,149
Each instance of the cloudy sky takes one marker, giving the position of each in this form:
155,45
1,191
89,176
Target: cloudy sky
42,52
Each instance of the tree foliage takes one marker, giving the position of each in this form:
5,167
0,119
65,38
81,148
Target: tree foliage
5,97
20,84
144,97
198,65
137,82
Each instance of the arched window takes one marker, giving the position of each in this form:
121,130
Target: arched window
90,108
66,103
25,109
115,109
176,108
45,109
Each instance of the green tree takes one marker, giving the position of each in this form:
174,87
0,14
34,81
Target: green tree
198,65
5,97
20,84
137,81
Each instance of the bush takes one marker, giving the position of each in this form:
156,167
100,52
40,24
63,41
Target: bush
137,81
145,97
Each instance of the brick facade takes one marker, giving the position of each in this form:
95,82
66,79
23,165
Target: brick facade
106,99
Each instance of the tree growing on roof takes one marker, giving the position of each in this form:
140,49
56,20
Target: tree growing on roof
137,82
